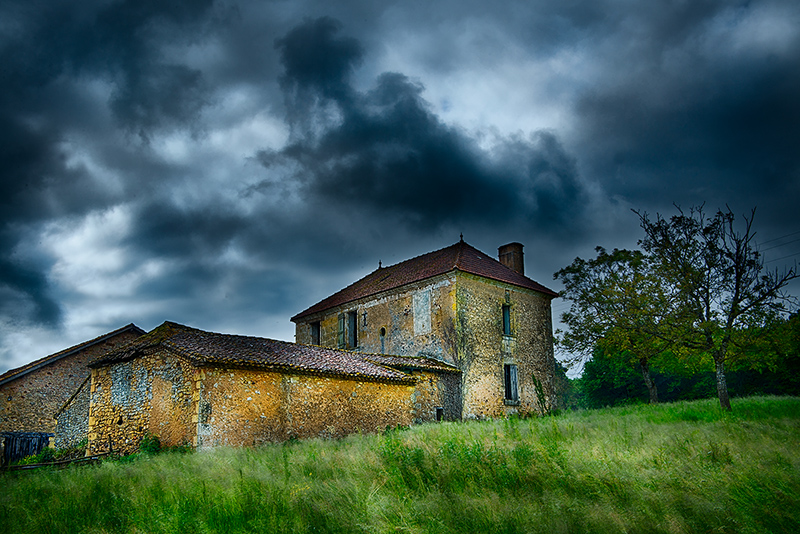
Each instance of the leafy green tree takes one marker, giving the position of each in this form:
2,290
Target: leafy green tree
610,379
617,304
712,270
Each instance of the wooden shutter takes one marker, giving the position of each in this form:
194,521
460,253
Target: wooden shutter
341,339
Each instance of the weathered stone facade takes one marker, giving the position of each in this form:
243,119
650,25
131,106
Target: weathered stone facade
32,395
153,393
204,389
459,306
72,420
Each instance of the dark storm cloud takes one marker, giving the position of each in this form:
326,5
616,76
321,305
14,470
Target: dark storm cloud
49,45
387,129
385,150
709,113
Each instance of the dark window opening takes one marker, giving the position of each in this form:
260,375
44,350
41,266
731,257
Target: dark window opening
510,371
352,329
315,333
383,340
506,320
205,412
439,413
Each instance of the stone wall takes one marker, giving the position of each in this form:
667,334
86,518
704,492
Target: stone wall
484,349
209,406
153,393
73,418
248,407
408,321
436,391
29,403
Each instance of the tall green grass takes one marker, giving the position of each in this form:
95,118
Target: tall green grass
684,467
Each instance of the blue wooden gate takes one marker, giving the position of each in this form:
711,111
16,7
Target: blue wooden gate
18,445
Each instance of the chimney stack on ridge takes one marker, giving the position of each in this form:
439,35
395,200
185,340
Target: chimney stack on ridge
511,256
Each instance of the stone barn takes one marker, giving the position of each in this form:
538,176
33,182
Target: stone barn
461,307
188,386
32,396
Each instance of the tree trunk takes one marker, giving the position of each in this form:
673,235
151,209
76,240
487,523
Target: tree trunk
651,386
722,385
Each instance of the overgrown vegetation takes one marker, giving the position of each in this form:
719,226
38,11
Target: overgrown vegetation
682,467
48,454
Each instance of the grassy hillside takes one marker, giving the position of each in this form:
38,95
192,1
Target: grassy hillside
684,467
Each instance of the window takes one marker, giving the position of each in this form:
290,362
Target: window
506,320
315,333
510,371
341,332
439,413
352,329
383,340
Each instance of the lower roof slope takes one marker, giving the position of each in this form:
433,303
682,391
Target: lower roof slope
458,257
210,348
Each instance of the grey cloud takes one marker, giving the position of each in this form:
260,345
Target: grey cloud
386,151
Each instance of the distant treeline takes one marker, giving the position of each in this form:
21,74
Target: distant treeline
611,380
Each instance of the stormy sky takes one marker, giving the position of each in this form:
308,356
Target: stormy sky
226,164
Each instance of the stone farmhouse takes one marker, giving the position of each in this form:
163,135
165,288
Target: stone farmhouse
459,306
449,335
188,386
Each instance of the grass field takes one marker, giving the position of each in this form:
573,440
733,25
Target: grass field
684,467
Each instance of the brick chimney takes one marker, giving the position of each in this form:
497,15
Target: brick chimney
511,256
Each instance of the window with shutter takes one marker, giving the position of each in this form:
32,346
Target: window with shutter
511,393
341,331
352,329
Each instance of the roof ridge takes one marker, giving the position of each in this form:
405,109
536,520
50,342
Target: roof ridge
22,370
460,256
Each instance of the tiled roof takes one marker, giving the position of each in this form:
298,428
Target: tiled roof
459,257
13,374
209,348
411,362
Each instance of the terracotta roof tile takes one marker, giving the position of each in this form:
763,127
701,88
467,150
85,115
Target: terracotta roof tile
210,348
412,363
459,257
13,374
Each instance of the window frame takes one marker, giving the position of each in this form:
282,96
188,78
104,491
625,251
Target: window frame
352,329
316,333
506,316
510,384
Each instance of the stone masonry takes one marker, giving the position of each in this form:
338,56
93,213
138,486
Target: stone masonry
32,395
457,305
191,387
